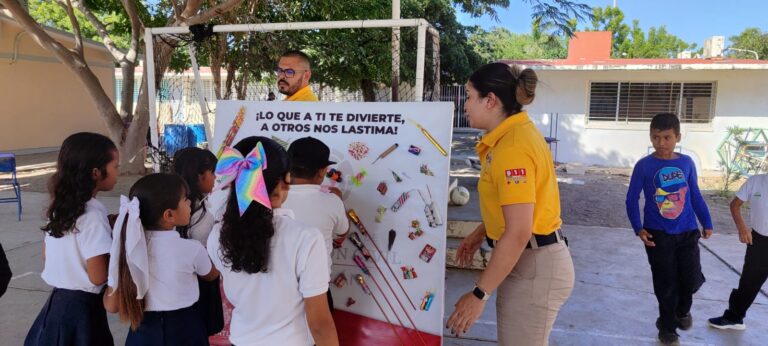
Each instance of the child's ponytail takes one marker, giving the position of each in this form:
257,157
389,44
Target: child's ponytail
131,308
129,263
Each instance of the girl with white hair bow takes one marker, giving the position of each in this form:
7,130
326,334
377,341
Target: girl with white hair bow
153,274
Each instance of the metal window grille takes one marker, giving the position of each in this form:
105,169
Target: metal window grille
693,102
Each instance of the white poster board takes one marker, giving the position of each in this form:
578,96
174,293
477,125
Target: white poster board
372,184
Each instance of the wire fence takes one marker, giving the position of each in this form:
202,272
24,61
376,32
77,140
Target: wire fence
248,60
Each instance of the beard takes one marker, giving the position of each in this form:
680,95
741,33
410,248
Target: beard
284,88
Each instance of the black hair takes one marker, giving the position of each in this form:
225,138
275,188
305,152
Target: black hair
245,240
512,85
303,172
72,186
190,163
156,193
297,54
666,121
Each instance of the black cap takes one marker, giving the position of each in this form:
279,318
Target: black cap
309,153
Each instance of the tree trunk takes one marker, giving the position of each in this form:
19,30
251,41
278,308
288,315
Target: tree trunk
132,156
126,103
231,72
369,95
242,86
217,59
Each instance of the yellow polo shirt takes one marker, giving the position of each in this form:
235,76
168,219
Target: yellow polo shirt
517,168
303,94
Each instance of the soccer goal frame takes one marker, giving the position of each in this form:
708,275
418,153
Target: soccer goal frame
422,25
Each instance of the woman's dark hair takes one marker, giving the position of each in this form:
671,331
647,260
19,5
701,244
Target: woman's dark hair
71,187
190,163
245,240
156,193
514,86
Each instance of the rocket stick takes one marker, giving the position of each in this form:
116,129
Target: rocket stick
361,264
361,281
356,220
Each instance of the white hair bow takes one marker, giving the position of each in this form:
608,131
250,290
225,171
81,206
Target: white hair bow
135,248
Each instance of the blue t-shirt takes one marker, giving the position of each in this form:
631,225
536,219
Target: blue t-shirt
673,200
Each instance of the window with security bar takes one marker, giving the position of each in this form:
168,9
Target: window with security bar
693,102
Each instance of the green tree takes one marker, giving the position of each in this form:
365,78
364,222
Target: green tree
500,43
113,20
658,43
611,19
633,42
752,39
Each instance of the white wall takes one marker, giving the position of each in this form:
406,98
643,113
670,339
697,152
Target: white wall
741,100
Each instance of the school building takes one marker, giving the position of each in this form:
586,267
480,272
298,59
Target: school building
41,100
599,108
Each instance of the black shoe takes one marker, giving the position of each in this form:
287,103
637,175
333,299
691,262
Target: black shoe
685,322
724,323
669,338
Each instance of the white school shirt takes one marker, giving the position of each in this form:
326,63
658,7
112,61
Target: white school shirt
755,191
321,209
202,224
174,264
269,307
65,257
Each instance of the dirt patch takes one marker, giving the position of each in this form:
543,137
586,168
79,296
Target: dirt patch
600,200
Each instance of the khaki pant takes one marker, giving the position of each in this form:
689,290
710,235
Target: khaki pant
529,299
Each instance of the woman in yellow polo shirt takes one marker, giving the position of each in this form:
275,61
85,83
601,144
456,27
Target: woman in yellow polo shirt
531,269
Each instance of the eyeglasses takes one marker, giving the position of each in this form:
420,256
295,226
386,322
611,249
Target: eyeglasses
289,72
672,197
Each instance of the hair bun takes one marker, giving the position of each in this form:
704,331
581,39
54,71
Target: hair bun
525,90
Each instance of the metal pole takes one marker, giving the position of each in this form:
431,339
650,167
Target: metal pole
395,53
150,71
420,54
200,98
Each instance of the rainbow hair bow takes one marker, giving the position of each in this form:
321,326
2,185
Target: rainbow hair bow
247,173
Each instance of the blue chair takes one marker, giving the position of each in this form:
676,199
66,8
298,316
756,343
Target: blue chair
8,166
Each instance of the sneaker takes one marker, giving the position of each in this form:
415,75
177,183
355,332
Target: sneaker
669,338
724,323
685,322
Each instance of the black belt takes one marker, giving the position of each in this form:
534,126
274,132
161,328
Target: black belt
538,240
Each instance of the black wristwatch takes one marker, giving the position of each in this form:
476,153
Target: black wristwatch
480,294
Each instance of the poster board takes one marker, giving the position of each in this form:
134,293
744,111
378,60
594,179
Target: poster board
394,160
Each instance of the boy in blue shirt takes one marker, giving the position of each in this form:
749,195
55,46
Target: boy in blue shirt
668,229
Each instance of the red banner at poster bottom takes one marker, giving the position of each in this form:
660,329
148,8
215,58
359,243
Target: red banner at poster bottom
353,330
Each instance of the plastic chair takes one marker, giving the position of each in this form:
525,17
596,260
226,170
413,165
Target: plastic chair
8,166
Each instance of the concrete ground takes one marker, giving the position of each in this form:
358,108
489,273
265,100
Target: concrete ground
612,302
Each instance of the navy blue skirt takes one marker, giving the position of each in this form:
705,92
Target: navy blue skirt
71,318
209,305
183,327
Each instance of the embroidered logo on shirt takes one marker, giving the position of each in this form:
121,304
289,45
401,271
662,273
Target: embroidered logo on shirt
516,175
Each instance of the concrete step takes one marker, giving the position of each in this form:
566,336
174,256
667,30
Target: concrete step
461,229
478,262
